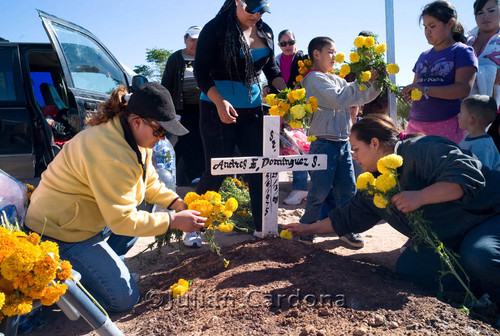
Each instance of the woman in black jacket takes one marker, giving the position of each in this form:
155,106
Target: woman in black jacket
233,49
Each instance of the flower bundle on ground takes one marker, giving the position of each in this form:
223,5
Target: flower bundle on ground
368,55
293,106
180,288
382,189
236,188
217,212
29,270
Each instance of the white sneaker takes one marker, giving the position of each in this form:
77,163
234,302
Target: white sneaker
192,239
295,197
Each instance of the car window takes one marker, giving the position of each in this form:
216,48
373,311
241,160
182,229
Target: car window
90,66
9,77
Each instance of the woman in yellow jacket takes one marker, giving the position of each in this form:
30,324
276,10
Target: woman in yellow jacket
93,187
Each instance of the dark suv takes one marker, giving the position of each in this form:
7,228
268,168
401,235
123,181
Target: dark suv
48,90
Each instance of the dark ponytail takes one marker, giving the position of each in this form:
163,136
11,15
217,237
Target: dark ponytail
444,12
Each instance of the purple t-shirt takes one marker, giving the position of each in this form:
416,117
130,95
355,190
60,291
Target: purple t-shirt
437,68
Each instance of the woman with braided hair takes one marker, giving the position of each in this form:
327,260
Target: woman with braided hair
233,49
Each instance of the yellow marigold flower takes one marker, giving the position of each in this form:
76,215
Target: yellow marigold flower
314,103
227,213
299,78
340,57
296,124
385,182
226,227
392,161
202,206
291,97
226,263
16,305
2,299
366,76
284,105
6,286
380,201
302,70
212,196
416,94
380,48
345,69
364,180
359,42
24,280
299,94
300,64
354,57
308,108
281,112
311,138
274,110
362,87
50,247
180,288
45,270
270,98
286,234
307,62
208,223
64,270
298,111
33,238
21,260
231,204
392,68
52,294
19,234
218,207
369,42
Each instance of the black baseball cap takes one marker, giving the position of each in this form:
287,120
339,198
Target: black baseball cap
153,101
255,6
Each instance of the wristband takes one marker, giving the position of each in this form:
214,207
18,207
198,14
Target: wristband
426,90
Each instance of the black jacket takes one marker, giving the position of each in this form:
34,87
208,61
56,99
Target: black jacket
209,65
173,78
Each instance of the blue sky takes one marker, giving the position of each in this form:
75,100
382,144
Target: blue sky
128,27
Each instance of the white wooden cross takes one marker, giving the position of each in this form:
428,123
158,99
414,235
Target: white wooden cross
270,164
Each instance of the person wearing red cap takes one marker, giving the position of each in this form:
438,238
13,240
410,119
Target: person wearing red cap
236,46
92,188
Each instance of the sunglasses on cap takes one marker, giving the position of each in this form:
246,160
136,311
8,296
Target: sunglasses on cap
261,11
158,131
285,43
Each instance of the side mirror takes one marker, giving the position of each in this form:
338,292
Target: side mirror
137,81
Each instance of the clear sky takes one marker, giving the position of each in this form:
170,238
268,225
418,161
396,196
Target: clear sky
128,27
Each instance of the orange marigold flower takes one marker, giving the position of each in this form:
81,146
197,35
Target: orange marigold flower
64,270
33,238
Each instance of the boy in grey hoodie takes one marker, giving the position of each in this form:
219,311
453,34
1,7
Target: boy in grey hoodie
331,124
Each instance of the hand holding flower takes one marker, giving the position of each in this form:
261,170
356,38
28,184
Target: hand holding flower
407,201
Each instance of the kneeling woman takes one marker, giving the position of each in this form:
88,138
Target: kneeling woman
93,187
461,202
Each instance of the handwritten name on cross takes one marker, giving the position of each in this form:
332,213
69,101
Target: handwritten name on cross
270,164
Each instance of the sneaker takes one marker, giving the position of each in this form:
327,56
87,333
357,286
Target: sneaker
192,239
295,197
353,239
306,239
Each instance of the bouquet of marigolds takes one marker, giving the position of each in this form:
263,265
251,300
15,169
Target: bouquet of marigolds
368,55
382,189
29,270
235,188
293,106
217,212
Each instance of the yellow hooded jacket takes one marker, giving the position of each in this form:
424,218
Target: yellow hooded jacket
97,181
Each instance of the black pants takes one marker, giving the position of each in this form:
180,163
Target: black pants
220,140
190,160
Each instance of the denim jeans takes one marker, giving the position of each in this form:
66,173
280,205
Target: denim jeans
479,256
339,175
104,274
220,140
299,181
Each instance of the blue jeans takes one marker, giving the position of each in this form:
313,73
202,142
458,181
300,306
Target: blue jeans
299,180
479,256
104,274
339,175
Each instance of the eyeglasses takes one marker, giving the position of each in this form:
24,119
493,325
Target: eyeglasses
158,131
285,43
245,7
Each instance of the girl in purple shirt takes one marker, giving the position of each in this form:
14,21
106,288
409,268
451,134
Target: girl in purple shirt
444,74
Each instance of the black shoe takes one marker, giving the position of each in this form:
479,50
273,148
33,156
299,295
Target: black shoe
353,239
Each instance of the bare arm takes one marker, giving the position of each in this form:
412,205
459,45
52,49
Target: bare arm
322,227
279,83
438,192
227,113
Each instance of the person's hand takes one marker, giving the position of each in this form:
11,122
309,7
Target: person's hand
187,221
406,92
374,75
179,205
266,90
298,229
407,201
227,113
